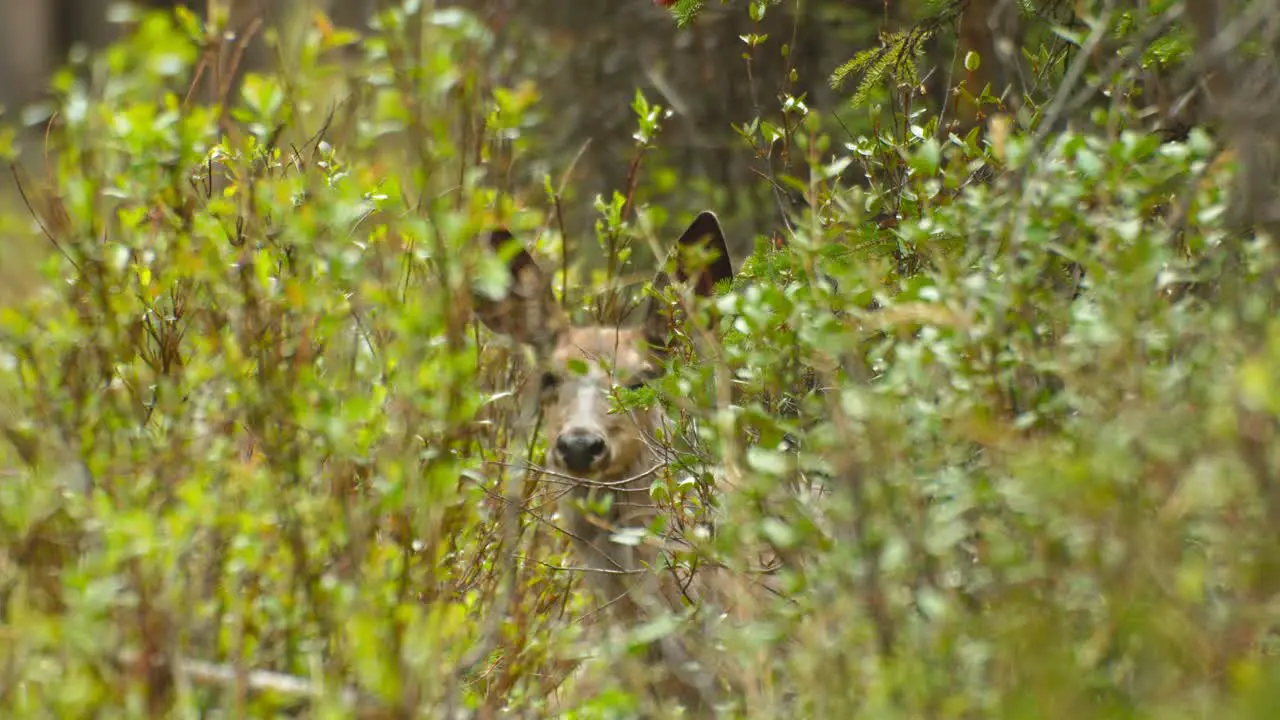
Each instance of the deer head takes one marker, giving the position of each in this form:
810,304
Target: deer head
581,364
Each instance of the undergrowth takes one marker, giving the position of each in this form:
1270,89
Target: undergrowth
1014,451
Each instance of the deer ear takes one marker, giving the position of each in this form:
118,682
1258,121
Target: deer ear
691,269
528,313
704,231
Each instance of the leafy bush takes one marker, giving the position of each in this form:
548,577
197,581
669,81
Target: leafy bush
1009,453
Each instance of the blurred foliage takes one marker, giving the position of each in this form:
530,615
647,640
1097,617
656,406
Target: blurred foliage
1003,405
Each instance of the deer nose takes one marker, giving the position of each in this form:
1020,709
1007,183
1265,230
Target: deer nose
580,449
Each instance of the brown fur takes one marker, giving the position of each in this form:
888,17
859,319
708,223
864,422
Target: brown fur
613,357
618,574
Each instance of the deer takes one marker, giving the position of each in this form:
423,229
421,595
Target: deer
608,457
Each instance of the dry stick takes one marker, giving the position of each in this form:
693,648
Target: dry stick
572,482
564,251
464,117
768,154
633,178
1231,79
1061,107
508,567
1210,50
237,53
224,676
490,634
774,186
509,503
555,200
628,206
195,80
947,87
13,169
1072,77
48,133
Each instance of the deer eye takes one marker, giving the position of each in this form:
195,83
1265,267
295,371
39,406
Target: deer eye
550,381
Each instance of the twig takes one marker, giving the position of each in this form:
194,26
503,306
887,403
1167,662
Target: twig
579,480
13,169
200,672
